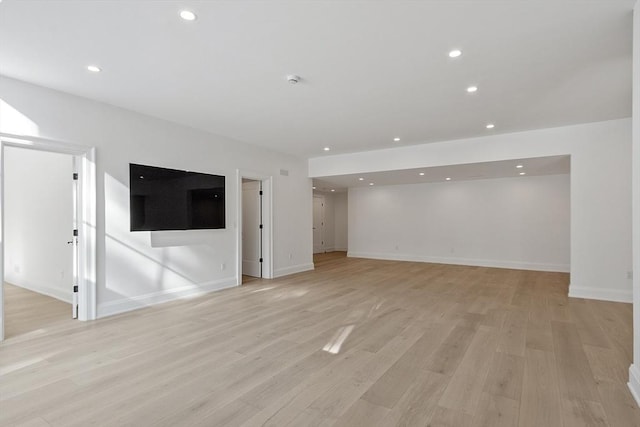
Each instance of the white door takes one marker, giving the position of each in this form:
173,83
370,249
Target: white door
251,232
318,224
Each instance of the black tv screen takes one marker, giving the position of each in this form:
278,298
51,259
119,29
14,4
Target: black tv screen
169,199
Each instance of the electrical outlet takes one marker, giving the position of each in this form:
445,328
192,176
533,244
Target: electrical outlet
223,266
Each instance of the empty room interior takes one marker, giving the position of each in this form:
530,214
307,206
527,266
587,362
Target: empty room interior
320,213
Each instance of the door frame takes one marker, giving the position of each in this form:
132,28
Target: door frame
267,221
84,158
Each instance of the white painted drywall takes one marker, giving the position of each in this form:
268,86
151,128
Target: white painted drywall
341,219
600,189
38,221
131,273
634,370
511,222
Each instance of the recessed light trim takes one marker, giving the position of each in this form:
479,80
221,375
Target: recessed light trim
472,89
326,148
371,183
455,53
188,15
332,190
519,166
94,68
490,126
448,179
396,139
421,174
360,179
523,173
313,187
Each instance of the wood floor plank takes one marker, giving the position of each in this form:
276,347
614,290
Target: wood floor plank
574,372
464,391
540,404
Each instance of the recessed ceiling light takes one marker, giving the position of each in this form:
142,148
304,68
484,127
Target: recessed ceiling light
523,173
327,148
187,15
360,179
333,189
313,187
448,179
455,53
519,166
421,174
371,183
490,126
472,89
396,139
94,68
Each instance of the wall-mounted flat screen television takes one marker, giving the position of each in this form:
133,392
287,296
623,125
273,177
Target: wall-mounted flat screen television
169,199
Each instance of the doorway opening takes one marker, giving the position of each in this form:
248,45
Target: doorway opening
40,257
318,224
254,227
48,216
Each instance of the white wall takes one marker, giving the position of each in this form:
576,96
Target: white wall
340,213
38,221
512,222
131,273
600,189
634,371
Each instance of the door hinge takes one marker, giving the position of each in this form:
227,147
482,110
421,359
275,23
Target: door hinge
260,259
261,192
75,288
75,176
261,226
75,233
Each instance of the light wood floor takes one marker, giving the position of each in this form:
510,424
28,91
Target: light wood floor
354,343
30,312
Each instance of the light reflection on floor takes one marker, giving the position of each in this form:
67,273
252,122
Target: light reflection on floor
335,343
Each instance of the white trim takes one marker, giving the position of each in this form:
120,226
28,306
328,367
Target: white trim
123,305
634,382
86,214
41,288
267,221
340,249
293,269
613,295
517,265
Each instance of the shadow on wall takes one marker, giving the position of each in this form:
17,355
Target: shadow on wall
14,122
136,268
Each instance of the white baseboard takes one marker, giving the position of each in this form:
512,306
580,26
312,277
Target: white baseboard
41,288
110,308
517,265
613,295
340,249
634,382
279,272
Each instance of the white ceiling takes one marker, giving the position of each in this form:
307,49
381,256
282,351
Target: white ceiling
551,165
371,70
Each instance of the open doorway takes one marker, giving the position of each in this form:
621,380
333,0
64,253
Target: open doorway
318,224
40,254
254,227
37,268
